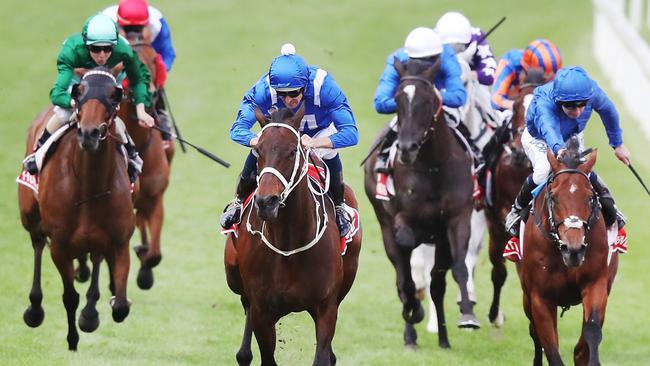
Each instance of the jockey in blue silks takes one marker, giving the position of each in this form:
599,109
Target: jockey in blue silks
328,124
559,110
422,44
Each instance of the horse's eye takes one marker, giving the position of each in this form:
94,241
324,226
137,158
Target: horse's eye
292,153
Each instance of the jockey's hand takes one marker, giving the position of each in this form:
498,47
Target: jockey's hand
144,119
623,154
315,143
72,103
254,141
509,104
469,52
560,154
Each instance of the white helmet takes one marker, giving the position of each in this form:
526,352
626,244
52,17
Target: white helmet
454,27
422,42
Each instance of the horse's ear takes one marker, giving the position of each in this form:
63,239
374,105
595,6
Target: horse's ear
297,118
117,69
555,164
80,71
77,90
432,71
399,67
116,98
260,117
588,165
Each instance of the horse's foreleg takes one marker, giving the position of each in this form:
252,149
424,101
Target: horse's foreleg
264,329
119,262
65,267
145,274
594,306
458,233
438,289
422,261
478,226
82,273
35,314
544,318
499,275
244,355
155,221
325,317
89,318
537,358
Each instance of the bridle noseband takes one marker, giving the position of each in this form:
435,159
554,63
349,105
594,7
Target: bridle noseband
572,221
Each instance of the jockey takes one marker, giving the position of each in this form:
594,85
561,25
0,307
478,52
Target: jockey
559,110
422,44
134,15
513,66
99,44
328,124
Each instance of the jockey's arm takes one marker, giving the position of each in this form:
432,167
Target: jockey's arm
548,125
240,132
164,46
384,100
59,94
505,77
609,115
453,92
137,73
340,113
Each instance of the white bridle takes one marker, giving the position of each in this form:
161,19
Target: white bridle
297,175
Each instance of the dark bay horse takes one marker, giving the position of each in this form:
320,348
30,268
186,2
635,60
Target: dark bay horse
83,205
511,169
286,255
433,199
566,259
155,171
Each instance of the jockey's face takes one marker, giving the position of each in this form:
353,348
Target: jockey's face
573,109
292,98
100,54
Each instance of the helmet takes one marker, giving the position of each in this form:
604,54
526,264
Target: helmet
454,27
133,12
288,71
572,83
422,42
543,54
100,29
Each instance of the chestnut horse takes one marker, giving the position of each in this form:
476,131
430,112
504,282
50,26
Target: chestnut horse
432,202
286,255
566,258
83,205
155,171
509,171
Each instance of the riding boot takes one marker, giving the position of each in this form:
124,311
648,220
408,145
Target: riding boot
381,164
29,163
523,199
337,190
134,167
611,213
164,119
232,212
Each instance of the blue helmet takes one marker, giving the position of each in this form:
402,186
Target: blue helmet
288,71
572,83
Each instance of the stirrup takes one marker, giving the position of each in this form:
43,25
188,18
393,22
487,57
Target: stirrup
513,221
29,163
231,214
343,220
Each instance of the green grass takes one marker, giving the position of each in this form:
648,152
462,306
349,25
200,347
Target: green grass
190,317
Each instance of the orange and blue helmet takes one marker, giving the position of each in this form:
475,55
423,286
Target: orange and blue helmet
543,54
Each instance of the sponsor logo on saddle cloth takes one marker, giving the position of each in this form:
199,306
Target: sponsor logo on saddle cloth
317,175
514,249
31,181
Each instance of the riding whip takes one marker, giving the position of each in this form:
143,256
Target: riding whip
377,145
199,149
171,115
639,178
491,30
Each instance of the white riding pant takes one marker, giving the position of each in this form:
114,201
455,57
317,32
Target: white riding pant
535,150
61,116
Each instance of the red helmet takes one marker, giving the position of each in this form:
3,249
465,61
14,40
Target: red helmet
133,12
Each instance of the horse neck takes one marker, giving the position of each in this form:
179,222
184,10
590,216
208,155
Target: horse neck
295,225
95,171
439,144
127,113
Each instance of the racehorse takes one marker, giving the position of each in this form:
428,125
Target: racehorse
566,258
433,198
83,205
286,256
155,171
510,169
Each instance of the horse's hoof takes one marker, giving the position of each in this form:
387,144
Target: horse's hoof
413,316
468,321
121,312
140,250
432,327
498,320
88,320
444,344
33,317
411,347
244,358
152,261
145,278
82,274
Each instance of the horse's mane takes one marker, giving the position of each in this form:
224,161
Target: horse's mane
281,115
572,158
417,67
534,76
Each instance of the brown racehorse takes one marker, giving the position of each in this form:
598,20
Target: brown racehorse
155,171
432,202
293,263
566,259
84,205
511,169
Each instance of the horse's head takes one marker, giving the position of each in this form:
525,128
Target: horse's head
418,106
572,203
97,97
281,161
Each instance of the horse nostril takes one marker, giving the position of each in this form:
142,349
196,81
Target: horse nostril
95,133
